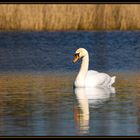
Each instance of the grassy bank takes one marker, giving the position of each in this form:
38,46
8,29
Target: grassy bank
69,16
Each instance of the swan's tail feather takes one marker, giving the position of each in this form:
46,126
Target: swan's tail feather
112,80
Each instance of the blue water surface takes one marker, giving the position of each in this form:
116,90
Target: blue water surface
36,84
53,51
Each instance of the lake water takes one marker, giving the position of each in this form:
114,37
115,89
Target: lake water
36,84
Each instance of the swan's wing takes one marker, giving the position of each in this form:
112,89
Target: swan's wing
91,72
95,78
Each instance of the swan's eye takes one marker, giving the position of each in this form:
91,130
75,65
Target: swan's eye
76,57
77,54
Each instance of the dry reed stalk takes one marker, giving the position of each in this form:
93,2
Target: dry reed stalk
69,17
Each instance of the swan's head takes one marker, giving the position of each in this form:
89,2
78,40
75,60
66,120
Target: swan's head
80,53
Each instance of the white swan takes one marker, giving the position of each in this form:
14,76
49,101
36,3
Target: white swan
90,78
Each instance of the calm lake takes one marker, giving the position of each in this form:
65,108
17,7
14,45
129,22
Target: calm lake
36,84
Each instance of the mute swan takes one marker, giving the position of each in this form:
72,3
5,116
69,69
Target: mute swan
90,78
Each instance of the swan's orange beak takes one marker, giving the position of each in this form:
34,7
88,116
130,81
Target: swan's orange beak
76,58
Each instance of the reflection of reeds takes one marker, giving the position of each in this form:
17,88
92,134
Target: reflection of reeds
20,93
23,83
69,16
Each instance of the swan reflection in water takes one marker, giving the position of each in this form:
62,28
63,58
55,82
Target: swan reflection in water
89,98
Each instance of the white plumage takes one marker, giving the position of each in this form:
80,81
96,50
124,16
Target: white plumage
90,78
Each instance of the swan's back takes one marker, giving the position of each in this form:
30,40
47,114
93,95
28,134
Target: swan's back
94,78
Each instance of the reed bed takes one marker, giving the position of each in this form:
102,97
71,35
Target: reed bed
69,17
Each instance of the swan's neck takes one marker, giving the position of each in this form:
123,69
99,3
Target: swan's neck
84,66
83,71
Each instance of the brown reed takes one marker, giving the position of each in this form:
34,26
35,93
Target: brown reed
69,17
